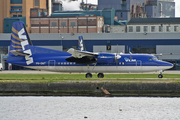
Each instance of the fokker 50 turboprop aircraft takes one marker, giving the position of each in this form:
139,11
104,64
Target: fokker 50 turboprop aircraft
23,53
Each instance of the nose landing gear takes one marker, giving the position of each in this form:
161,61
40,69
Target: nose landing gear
160,75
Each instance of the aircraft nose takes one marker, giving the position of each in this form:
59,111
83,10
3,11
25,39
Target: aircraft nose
169,65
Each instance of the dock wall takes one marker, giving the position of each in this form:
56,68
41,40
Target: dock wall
90,89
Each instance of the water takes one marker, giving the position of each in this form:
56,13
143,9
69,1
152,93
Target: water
95,108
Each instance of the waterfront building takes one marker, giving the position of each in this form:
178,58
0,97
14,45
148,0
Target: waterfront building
154,25
14,10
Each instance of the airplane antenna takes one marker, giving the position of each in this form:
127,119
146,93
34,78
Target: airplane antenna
130,50
117,48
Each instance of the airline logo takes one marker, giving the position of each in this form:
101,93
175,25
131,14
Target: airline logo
129,59
80,43
29,59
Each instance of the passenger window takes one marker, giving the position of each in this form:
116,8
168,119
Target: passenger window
150,59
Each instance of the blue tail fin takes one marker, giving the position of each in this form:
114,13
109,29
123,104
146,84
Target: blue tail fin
19,37
20,43
81,43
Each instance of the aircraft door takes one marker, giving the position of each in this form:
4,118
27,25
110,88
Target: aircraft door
139,65
51,63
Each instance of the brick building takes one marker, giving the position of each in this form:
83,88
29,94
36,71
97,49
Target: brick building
80,24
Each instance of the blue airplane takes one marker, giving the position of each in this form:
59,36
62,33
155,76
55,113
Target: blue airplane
23,53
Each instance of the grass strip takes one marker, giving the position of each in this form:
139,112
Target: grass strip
79,78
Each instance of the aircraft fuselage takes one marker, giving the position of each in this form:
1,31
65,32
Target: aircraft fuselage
105,62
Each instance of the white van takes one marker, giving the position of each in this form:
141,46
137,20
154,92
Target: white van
1,67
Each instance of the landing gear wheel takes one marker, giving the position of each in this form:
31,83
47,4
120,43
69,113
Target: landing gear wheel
88,75
160,76
100,75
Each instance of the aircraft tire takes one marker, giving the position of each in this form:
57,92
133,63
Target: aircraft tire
160,76
100,75
88,75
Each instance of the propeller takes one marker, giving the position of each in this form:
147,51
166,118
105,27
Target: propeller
117,57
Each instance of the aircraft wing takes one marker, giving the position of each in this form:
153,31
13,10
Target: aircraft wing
81,54
157,54
17,53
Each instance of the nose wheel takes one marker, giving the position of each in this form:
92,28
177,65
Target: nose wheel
88,75
160,76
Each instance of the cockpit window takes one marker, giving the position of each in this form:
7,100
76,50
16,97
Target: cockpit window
155,58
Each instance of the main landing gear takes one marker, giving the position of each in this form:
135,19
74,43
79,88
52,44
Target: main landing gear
100,75
89,75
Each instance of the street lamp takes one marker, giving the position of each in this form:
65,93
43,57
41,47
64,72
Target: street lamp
61,42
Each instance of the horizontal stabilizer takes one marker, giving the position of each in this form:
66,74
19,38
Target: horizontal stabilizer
17,53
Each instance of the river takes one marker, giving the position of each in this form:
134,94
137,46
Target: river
89,108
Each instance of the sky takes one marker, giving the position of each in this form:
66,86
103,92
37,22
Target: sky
177,6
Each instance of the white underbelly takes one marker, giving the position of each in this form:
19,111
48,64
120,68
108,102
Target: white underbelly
113,69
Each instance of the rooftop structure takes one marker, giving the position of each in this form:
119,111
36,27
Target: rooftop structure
127,9
154,21
108,14
160,8
124,9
